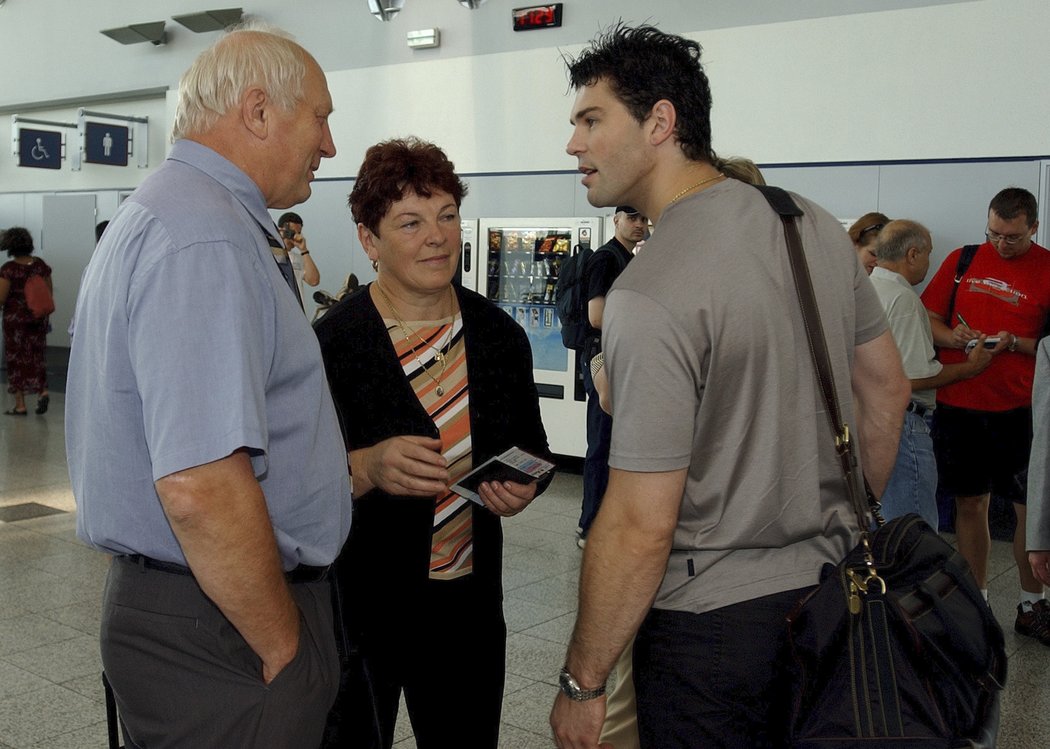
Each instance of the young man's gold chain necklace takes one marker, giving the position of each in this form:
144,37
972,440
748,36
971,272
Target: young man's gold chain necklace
689,189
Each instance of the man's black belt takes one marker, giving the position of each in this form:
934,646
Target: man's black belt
304,573
918,409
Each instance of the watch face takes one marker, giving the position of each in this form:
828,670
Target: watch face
574,691
568,684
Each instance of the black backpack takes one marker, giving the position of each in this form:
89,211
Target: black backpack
570,299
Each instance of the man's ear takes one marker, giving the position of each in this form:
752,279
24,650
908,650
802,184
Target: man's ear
255,111
662,121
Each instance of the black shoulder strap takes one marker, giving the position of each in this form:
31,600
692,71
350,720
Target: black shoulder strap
965,258
779,200
620,262
785,206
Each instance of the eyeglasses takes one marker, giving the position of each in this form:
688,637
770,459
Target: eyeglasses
1008,239
874,227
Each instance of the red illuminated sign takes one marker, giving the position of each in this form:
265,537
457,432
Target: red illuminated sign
537,17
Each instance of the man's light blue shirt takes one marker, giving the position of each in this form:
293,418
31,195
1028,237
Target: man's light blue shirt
190,346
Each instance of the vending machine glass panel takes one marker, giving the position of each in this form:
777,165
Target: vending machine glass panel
522,272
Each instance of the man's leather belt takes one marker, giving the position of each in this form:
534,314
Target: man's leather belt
918,409
304,573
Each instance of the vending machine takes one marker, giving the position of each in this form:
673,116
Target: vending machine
515,263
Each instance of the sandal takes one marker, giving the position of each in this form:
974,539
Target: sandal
13,412
42,404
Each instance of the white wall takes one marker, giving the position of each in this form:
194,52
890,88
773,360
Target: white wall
923,83
916,83
941,80
53,48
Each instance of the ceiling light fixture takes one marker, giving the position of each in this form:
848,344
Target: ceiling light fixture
384,10
472,4
424,38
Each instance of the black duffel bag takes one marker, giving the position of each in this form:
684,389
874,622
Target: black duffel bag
895,647
904,652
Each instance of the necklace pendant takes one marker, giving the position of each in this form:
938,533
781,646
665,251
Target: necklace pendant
440,390
440,358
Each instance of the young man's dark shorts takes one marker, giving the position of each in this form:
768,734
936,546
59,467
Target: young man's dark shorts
981,452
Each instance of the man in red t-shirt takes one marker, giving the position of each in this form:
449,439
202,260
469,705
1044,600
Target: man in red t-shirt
982,428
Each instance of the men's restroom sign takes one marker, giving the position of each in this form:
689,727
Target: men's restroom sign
105,144
39,148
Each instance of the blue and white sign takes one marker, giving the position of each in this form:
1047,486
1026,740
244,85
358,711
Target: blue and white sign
39,148
105,144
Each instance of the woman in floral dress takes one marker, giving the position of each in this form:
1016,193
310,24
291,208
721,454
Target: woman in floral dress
25,335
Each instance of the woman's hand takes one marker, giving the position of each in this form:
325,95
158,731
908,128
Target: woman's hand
406,465
506,498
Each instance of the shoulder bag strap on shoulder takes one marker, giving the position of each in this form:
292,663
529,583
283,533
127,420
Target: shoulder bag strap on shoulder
788,210
965,258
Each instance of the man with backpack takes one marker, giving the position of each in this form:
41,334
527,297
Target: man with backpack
982,428
600,269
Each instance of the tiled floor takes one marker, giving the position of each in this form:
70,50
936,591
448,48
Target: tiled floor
51,585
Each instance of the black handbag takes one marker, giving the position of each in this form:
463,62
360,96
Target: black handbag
895,647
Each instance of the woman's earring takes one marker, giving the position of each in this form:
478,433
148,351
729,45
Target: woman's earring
375,265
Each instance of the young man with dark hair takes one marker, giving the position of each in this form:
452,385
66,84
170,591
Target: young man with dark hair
725,496
982,429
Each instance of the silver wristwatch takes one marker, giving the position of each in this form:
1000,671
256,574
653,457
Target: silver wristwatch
572,689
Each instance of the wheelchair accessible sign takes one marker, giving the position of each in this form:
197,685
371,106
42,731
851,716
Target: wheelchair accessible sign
40,148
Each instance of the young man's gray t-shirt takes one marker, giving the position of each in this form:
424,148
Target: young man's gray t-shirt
710,369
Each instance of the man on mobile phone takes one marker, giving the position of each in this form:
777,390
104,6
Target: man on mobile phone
902,253
982,430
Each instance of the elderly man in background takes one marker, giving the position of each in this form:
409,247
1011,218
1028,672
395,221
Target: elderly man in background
902,252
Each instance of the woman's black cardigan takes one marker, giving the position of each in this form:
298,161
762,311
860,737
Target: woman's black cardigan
386,558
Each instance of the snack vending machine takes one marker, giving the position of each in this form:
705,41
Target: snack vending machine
515,264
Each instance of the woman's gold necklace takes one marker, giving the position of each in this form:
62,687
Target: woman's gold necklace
440,357
693,187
